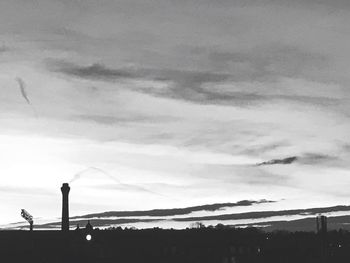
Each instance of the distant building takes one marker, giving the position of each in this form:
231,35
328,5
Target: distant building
88,226
321,224
321,227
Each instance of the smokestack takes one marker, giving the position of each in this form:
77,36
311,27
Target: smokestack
65,207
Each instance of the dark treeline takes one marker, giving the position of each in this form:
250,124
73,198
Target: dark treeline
202,245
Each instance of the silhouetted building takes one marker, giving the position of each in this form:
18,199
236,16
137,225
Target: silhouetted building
321,224
65,207
88,226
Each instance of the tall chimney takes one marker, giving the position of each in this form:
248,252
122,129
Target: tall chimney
65,207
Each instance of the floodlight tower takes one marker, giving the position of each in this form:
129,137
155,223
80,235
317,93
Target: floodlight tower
28,217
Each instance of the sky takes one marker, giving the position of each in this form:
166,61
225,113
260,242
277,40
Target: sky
162,104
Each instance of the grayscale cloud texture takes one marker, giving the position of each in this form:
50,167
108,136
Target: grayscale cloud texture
182,98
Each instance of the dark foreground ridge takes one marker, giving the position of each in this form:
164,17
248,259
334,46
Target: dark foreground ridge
203,245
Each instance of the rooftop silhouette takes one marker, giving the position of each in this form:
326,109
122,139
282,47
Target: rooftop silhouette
220,243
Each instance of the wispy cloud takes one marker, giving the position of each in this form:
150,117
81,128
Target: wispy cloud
180,84
96,170
259,83
108,119
265,147
266,63
262,214
177,211
316,158
94,71
287,160
307,158
102,72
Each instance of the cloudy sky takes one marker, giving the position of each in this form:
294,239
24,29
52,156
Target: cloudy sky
160,104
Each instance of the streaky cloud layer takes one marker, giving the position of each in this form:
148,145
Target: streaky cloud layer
201,102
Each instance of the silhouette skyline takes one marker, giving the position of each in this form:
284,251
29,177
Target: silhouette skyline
174,105
199,243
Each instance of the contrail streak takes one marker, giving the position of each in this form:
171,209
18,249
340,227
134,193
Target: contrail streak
22,88
130,186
